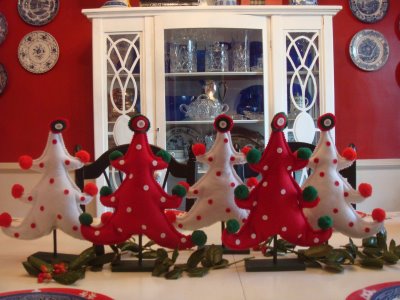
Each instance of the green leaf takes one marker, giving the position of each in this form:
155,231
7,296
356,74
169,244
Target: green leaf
333,267
38,263
392,247
361,255
382,240
83,259
397,250
196,257
284,246
130,246
174,274
149,244
214,254
103,259
175,255
372,263
337,256
370,242
372,252
318,251
351,248
31,269
161,253
197,272
69,277
149,254
159,269
390,258
223,264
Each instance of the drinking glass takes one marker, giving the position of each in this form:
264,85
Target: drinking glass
217,57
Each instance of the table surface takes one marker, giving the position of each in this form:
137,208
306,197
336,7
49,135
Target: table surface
233,283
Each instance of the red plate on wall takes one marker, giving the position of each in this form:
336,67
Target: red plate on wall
54,293
369,291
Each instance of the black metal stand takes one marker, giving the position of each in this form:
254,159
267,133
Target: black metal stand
274,265
232,251
139,265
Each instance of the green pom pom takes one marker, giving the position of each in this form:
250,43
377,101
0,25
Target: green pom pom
105,191
115,155
304,153
253,156
179,190
86,219
232,226
241,192
310,194
325,222
164,155
199,238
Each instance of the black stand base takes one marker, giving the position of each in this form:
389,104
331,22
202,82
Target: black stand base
268,265
232,251
52,258
133,265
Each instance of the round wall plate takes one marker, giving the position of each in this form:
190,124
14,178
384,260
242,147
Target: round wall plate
3,28
369,50
38,52
369,11
38,12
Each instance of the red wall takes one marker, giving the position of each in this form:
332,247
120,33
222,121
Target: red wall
367,103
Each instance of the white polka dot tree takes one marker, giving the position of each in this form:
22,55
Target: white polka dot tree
139,202
276,202
55,201
214,192
335,193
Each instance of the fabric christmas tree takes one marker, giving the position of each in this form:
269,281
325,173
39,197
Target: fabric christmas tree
276,202
56,199
335,193
139,202
215,190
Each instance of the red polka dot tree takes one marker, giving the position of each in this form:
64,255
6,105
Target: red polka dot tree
215,190
55,201
335,193
276,202
139,202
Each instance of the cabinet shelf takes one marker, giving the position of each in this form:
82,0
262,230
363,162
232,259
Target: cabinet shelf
210,74
207,122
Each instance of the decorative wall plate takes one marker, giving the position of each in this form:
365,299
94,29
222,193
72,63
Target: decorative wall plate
181,137
369,11
3,28
53,293
369,50
3,78
38,12
38,52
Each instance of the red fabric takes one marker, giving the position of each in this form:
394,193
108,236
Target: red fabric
275,203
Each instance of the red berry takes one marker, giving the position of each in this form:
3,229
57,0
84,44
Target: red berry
90,189
17,190
365,189
25,162
199,149
5,220
83,156
349,153
378,214
252,181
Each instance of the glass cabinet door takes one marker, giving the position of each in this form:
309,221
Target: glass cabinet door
210,71
123,85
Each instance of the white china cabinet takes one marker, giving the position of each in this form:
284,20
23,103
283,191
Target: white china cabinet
180,66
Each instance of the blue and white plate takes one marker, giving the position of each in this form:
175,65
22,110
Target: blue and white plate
3,28
38,12
3,78
369,11
369,50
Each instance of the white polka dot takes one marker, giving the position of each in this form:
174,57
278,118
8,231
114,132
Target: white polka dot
121,162
130,176
284,229
265,168
163,235
280,121
264,217
183,240
316,240
254,203
327,122
299,236
146,187
112,199
141,124
237,242
264,184
253,236
289,168
119,229
279,150
139,147
223,124
155,163
163,199
129,209
144,227
283,191
97,233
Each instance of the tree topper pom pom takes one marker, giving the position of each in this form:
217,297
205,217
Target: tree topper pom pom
171,216
304,153
326,122
105,217
232,226
199,238
310,194
25,162
325,222
83,156
165,156
378,215
59,125
365,189
86,219
5,220
252,182
139,124
241,192
90,189
17,191
349,153
199,149
253,156
223,123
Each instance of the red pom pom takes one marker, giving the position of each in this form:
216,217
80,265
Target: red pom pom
251,182
83,155
199,149
25,162
17,190
171,216
90,189
105,217
246,149
5,220
184,184
365,189
378,214
349,153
